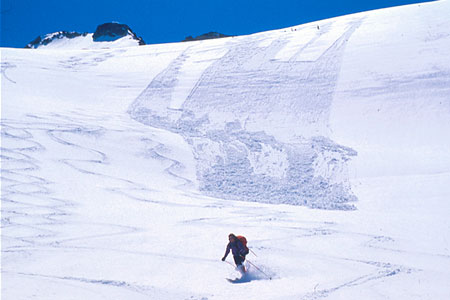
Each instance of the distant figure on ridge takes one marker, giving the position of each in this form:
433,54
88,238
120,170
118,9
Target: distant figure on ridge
238,247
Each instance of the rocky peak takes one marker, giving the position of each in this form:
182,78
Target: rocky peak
109,32
48,38
206,36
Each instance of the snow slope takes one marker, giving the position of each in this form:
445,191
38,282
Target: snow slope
87,42
124,169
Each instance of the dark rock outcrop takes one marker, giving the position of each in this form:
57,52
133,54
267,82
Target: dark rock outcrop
107,32
112,31
48,38
206,36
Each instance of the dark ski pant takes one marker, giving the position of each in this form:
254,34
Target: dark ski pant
238,260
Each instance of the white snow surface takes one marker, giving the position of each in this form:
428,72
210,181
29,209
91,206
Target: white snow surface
87,42
123,170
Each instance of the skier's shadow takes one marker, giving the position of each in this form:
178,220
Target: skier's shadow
250,275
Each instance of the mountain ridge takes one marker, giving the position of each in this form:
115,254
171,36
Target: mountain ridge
105,33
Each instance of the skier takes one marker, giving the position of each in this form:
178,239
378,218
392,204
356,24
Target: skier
239,251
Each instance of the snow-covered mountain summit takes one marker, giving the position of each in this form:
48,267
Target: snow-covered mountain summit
46,39
108,35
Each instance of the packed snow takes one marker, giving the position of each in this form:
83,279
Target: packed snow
85,42
124,169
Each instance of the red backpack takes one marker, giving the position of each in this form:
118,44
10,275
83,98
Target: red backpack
244,242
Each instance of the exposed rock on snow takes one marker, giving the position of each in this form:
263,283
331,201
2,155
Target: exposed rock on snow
206,36
108,35
49,38
109,32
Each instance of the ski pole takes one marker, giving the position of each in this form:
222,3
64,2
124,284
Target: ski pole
229,263
253,252
259,269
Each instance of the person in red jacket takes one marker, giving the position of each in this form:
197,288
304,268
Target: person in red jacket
238,250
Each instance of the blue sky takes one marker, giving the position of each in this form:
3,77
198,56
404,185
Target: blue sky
162,21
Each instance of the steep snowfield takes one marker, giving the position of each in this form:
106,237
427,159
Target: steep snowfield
121,168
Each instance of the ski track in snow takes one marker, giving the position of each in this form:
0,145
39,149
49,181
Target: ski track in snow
63,173
69,283
36,218
310,171
32,193
4,67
